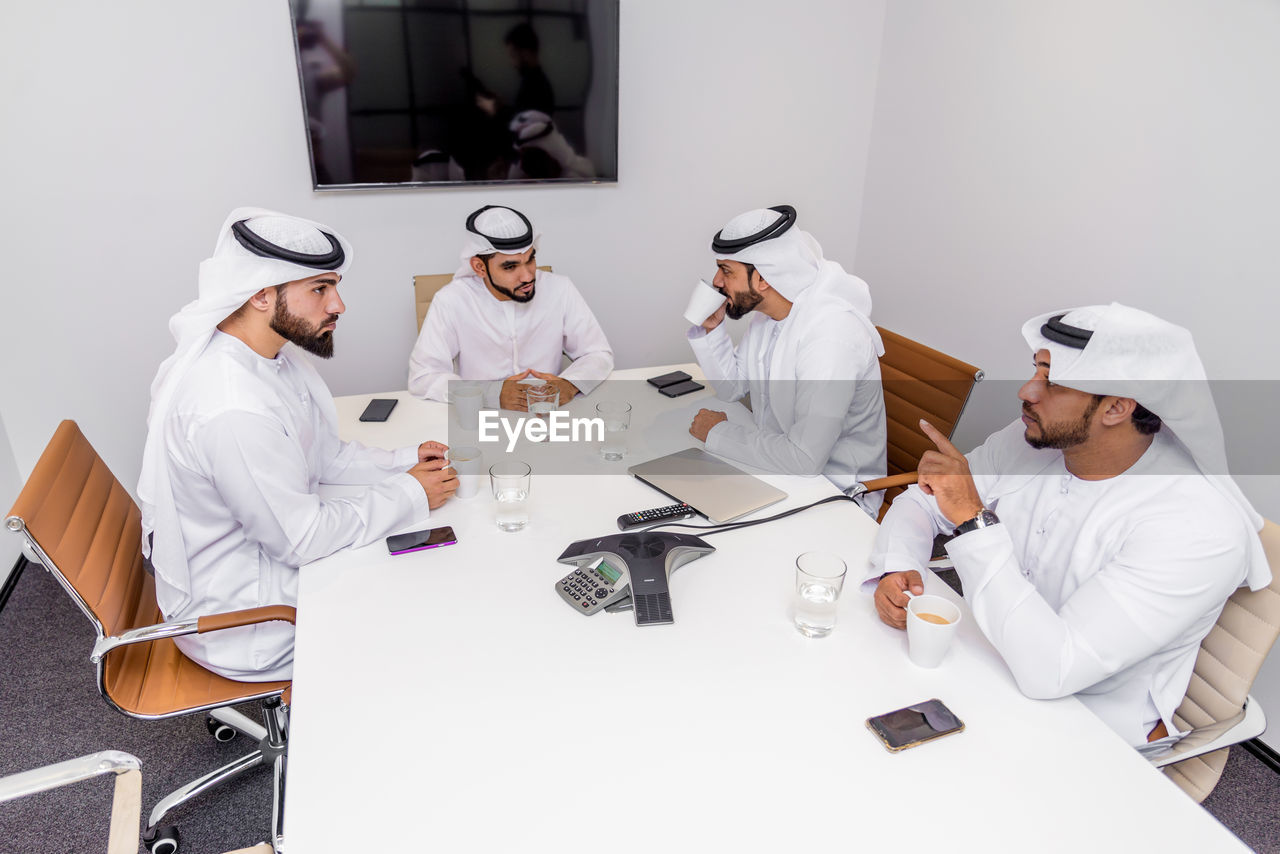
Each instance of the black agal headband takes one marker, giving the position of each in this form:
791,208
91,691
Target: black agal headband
259,245
727,246
503,243
1068,336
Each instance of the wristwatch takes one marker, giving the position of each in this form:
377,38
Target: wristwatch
982,520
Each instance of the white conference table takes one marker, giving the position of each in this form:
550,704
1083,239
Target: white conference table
448,700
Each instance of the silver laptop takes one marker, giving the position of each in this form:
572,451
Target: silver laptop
709,485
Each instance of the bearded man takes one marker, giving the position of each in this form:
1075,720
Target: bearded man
1097,537
502,320
241,432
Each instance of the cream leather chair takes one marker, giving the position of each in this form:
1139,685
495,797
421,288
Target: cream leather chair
126,799
1218,709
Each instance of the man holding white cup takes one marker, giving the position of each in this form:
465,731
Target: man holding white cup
1120,534
503,320
809,359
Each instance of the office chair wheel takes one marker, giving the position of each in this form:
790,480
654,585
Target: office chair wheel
163,840
219,730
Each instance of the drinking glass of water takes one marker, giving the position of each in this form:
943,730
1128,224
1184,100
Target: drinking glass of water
510,481
542,399
616,416
819,580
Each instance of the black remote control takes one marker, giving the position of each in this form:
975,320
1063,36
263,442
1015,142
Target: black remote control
657,515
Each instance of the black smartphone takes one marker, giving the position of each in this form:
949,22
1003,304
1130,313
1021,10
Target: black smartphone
681,388
379,409
668,379
416,541
914,725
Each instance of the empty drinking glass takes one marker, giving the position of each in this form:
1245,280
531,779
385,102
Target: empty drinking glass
616,416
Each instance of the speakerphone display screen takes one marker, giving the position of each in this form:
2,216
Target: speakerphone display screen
610,574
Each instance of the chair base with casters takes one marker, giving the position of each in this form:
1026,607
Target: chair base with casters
80,524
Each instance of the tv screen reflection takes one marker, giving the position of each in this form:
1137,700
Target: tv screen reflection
427,92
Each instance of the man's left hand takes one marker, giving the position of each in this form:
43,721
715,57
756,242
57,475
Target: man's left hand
944,474
431,451
567,389
704,421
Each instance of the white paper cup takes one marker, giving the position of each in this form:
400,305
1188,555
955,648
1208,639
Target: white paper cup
467,402
468,462
928,641
703,303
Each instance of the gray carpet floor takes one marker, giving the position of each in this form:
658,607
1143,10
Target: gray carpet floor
50,710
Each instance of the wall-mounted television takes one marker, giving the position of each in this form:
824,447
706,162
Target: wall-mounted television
421,93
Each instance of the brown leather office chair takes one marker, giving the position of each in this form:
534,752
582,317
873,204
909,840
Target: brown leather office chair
919,382
425,289
80,523
1218,708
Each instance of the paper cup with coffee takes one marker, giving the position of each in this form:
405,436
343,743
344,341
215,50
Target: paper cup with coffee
931,624
703,303
468,463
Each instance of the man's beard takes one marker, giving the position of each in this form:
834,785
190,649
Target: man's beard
740,305
1062,436
509,292
293,328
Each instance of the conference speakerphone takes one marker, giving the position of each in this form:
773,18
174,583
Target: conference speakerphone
636,567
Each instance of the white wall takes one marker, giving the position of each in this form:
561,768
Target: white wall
131,135
1033,156
9,486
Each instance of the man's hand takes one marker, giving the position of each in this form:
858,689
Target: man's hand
704,421
714,320
431,451
891,601
438,480
567,389
512,394
944,474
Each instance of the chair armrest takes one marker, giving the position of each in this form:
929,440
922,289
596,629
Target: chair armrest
194,625
126,801
883,483
1249,723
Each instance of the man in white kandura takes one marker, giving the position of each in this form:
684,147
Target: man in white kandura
1119,533
242,430
503,320
810,358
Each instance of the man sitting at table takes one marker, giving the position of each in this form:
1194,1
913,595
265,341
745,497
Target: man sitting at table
488,320
241,431
1120,534
809,358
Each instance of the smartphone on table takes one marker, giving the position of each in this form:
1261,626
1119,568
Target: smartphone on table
915,724
416,541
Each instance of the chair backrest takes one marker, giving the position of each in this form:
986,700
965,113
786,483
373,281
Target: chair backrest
1233,651
426,287
919,382
87,532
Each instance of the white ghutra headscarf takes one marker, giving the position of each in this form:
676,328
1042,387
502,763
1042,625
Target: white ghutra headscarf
256,249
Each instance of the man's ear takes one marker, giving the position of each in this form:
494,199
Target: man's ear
1117,410
761,283
262,301
477,266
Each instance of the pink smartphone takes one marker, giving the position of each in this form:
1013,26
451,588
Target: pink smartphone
416,541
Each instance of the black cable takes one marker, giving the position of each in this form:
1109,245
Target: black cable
733,526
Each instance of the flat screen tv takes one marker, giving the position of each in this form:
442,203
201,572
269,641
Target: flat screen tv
420,93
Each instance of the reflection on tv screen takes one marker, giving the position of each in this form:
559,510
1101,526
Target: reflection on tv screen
413,92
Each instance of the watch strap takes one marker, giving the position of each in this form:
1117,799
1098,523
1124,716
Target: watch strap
984,519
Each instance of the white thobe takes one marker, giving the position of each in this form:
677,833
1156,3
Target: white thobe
248,441
816,397
1103,589
492,339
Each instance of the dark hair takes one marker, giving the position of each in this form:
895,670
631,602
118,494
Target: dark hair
751,268
1146,422
522,37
